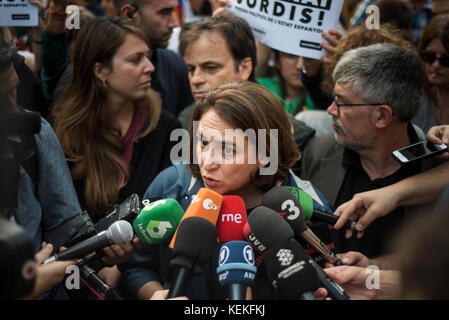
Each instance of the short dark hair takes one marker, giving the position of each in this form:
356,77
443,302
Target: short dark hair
236,32
7,53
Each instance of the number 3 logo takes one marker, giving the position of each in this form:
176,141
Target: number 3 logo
294,211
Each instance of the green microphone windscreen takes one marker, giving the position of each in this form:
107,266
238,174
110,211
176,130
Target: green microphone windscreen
305,200
158,221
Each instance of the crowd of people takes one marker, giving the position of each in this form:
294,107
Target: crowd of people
111,93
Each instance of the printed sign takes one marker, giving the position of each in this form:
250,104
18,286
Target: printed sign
18,13
292,26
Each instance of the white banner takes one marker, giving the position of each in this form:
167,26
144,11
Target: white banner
18,13
292,26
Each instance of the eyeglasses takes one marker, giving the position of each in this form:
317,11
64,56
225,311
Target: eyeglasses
352,104
430,57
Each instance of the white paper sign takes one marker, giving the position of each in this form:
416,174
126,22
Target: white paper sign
18,13
292,26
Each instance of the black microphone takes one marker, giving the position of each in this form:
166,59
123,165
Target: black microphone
283,201
264,229
18,269
334,290
119,232
290,272
193,247
20,123
90,275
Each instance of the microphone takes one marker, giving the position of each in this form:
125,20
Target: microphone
236,268
232,219
158,221
282,200
128,210
119,232
90,275
292,249
18,269
264,229
307,203
193,247
205,204
290,272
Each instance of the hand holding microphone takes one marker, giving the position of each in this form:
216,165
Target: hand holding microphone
119,232
155,223
48,275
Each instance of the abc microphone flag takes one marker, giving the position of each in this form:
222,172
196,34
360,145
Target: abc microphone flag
206,204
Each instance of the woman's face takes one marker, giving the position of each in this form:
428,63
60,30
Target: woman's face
436,73
226,158
290,69
130,76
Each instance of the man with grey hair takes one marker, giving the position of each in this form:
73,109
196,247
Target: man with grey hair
377,91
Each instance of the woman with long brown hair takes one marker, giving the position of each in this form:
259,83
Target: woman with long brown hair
108,120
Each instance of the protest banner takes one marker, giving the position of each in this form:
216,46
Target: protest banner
18,13
291,26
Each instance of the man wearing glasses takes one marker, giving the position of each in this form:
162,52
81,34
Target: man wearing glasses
377,91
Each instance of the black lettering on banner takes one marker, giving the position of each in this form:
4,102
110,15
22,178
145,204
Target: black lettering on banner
306,18
20,17
292,13
264,6
319,4
251,5
279,9
258,31
310,45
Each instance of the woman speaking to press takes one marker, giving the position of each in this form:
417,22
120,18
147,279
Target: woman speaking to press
238,108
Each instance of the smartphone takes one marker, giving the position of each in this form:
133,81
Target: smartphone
418,151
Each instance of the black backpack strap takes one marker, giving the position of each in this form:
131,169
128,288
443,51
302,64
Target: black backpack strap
25,153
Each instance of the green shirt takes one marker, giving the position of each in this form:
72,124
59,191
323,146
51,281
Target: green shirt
273,84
